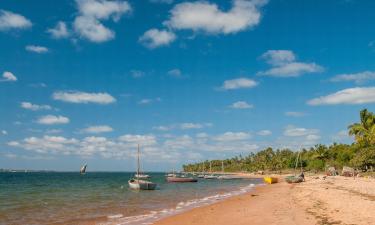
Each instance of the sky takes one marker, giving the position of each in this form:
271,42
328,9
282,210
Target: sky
86,81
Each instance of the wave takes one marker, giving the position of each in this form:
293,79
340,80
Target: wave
153,216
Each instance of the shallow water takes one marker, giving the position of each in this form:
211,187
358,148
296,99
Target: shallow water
66,198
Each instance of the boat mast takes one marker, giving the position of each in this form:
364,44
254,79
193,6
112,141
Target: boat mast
222,166
138,164
210,166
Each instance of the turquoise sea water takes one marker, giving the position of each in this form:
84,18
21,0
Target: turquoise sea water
101,197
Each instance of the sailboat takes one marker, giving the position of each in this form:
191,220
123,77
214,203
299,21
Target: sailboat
201,175
210,176
137,184
83,169
295,178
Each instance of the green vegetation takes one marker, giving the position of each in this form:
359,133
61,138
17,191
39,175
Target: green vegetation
360,154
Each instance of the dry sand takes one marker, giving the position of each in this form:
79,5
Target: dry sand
334,200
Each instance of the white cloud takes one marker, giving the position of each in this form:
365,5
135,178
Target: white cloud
241,105
175,73
356,95
292,131
83,97
138,139
295,114
10,20
162,128
358,78
284,64
97,129
207,17
35,107
239,83
88,23
51,119
147,101
183,126
232,136
264,132
154,38
59,31
137,73
8,76
186,126
162,1
36,49
4,132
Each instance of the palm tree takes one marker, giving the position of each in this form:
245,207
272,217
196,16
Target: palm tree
364,132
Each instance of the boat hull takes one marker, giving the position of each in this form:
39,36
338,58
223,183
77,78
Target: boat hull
270,180
181,179
293,179
141,185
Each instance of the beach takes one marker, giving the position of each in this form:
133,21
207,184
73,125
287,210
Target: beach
319,200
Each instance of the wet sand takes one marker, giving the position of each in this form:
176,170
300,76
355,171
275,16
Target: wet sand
333,200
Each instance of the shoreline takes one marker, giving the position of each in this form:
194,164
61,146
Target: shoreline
312,202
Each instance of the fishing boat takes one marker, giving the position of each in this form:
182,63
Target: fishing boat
83,169
181,179
138,184
270,180
210,175
295,178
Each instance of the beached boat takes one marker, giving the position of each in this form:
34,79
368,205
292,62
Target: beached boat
293,179
181,179
270,180
137,184
83,169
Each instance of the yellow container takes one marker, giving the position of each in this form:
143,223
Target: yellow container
270,180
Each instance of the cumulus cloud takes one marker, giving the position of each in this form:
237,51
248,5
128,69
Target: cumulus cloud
97,129
295,114
91,12
232,136
183,126
83,97
264,132
208,18
358,95
59,31
8,76
10,20
241,105
51,119
147,101
34,107
358,78
36,49
284,64
154,38
292,131
238,83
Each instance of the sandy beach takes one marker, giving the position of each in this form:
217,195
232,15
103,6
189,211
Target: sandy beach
319,200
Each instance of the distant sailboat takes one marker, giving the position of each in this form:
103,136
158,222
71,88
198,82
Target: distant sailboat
137,184
210,176
83,169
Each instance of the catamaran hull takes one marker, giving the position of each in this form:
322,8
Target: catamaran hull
181,179
141,185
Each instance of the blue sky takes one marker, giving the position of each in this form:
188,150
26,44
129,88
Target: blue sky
86,80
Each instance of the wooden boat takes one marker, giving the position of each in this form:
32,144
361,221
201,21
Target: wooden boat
293,179
181,179
83,169
270,180
137,184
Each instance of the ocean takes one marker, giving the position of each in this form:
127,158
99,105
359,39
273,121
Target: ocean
102,197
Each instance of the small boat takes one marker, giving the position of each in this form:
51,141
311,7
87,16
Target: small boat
200,176
170,175
181,179
293,179
270,180
137,184
83,169
144,176
209,177
229,177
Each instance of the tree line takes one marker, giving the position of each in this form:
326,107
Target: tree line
360,154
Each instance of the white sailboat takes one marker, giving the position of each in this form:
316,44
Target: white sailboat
83,169
210,176
137,184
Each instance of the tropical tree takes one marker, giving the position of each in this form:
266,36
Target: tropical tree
364,132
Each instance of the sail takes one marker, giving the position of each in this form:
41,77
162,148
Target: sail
83,169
